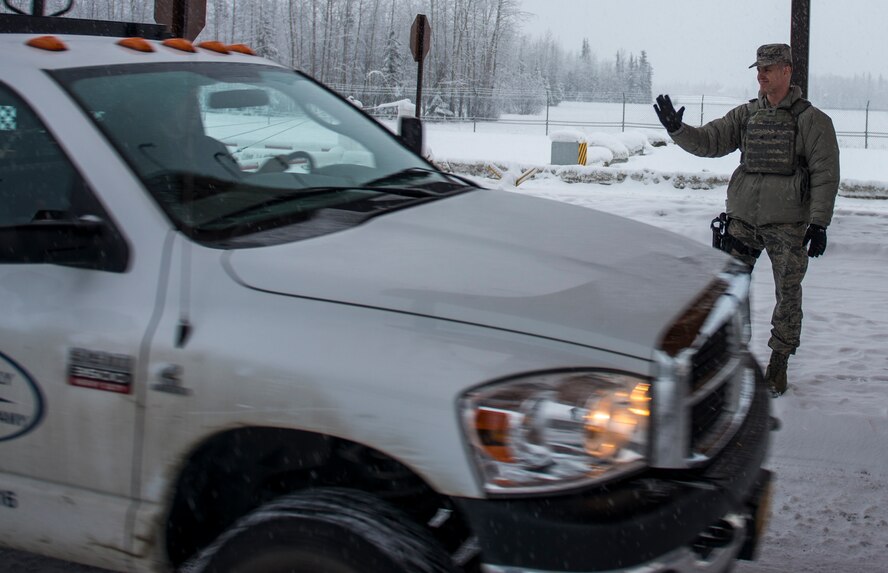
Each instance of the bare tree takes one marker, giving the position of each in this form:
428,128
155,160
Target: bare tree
477,49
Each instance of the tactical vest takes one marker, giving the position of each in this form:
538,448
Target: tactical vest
769,139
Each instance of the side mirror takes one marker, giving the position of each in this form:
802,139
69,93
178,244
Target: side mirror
411,132
71,242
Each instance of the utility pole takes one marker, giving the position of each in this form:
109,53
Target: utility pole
800,39
184,18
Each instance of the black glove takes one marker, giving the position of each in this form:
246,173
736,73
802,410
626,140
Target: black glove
670,118
817,235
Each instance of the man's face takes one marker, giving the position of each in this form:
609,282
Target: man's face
774,79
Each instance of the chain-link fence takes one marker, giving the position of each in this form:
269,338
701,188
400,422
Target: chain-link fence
855,127
544,111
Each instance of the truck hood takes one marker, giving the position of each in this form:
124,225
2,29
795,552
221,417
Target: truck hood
499,260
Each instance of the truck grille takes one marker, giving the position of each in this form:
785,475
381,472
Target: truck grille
705,388
716,383
705,415
711,358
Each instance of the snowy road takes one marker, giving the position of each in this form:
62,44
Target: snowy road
831,455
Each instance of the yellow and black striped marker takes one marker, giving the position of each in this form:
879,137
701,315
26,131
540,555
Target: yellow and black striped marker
581,159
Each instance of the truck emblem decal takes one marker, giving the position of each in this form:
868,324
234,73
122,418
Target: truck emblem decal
21,401
100,370
171,381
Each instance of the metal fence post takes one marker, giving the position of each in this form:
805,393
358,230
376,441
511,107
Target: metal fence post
623,123
547,111
866,127
702,97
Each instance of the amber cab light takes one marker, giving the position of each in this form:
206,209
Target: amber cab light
50,43
214,46
138,44
180,44
241,49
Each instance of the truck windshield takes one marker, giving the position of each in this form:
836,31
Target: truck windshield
231,150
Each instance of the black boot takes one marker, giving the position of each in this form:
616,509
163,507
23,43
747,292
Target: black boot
775,375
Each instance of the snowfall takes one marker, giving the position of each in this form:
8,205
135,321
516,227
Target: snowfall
830,454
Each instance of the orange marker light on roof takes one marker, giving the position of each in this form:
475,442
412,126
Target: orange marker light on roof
50,43
138,44
241,49
180,44
214,46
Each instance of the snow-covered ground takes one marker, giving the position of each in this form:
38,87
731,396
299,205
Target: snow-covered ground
831,453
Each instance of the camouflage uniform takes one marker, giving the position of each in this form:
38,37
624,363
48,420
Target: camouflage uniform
770,210
789,261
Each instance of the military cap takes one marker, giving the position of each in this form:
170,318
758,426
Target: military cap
772,54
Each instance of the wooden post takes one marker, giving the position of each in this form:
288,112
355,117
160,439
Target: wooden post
420,43
800,35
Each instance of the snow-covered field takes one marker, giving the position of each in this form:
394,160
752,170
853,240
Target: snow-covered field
831,454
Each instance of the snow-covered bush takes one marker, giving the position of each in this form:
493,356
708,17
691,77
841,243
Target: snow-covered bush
635,141
600,139
567,136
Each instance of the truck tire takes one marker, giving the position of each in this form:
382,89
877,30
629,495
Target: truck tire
325,530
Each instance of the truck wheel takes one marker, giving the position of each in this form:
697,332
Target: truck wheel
326,530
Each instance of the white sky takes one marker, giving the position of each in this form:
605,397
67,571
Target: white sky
696,40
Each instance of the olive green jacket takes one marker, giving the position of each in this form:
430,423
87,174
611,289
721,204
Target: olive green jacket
761,199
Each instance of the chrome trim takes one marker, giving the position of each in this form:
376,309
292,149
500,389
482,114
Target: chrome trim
681,560
670,420
720,378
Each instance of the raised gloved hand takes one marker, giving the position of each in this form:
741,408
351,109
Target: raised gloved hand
817,237
670,118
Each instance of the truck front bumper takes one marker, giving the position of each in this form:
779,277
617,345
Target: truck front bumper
662,521
682,560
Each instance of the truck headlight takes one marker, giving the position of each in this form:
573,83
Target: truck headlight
550,431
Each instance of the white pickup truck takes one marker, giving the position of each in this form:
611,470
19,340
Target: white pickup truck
244,328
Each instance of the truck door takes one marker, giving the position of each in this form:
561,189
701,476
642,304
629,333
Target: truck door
75,318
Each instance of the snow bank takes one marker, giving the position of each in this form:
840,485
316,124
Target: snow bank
864,172
567,136
617,148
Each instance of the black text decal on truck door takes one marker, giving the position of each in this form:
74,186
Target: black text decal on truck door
100,370
21,402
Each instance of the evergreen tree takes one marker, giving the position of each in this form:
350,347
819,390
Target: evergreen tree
392,65
645,74
266,45
586,51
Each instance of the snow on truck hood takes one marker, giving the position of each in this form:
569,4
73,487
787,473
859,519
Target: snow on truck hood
500,260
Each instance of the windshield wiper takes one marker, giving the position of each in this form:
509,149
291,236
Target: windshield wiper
409,196
299,194
414,172
278,199
319,191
